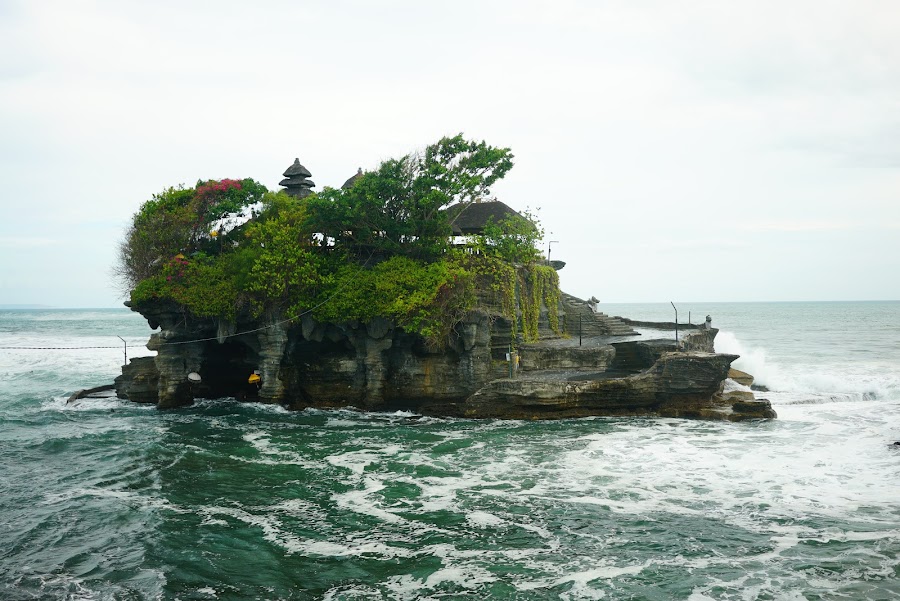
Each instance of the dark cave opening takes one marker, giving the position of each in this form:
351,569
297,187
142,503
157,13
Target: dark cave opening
226,369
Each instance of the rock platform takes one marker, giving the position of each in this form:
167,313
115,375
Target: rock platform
302,363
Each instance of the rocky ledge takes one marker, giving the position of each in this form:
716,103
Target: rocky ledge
377,366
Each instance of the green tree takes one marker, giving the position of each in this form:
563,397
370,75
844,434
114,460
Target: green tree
513,239
282,271
396,209
178,220
158,231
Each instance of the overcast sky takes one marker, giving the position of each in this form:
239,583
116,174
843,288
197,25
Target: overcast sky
686,151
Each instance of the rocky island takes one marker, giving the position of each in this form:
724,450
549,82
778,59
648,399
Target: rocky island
405,288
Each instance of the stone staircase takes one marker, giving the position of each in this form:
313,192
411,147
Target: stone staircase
592,324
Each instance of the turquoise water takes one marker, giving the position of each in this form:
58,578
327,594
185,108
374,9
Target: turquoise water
109,500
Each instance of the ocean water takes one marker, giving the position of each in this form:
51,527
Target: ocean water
104,499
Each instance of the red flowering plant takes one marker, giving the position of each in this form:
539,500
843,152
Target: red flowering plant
214,200
215,197
219,198
175,270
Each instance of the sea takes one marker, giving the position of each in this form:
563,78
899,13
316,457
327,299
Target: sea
106,499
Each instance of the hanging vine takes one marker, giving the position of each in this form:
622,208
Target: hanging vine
551,295
495,283
538,284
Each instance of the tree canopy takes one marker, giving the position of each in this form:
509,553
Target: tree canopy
180,220
396,209
379,247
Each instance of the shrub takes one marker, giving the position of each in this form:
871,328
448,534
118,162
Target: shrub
425,298
178,220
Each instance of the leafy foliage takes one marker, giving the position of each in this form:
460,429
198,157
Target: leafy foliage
285,272
495,281
159,230
427,298
518,292
178,220
512,239
379,248
538,284
396,209
201,285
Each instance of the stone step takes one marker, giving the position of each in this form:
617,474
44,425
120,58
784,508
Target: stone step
591,323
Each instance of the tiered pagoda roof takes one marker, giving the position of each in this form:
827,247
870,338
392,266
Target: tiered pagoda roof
296,182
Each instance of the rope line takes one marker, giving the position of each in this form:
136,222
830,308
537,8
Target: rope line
52,348
266,327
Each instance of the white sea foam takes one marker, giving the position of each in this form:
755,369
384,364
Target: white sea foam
208,591
275,533
365,501
131,498
468,577
582,588
353,591
357,461
857,380
483,519
778,495
264,408
271,453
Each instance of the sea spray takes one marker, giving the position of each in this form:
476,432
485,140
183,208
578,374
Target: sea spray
856,380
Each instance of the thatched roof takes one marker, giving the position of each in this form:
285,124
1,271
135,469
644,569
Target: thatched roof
471,217
297,182
297,169
349,183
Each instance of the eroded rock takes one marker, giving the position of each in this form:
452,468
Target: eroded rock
741,377
139,381
377,366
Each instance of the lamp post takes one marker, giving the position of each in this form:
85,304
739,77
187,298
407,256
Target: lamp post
126,348
548,249
676,323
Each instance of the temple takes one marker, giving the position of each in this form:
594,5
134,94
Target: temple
296,183
469,218
352,179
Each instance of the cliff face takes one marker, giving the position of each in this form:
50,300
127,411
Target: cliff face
377,366
370,365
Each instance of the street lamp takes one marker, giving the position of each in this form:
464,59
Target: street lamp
676,324
548,249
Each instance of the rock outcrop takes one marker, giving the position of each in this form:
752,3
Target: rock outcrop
139,381
741,377
377,366
677,385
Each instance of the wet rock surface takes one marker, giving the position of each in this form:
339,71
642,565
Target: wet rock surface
139,381
741,377
377,366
